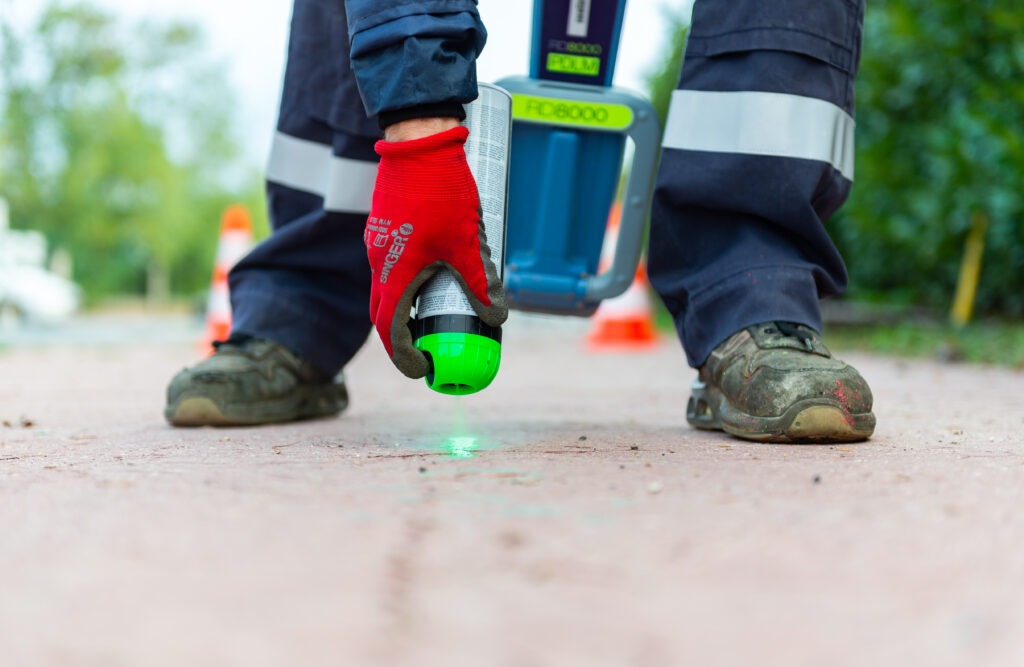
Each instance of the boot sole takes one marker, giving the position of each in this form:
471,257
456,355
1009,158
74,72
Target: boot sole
200,412
203,411
810,421
806,424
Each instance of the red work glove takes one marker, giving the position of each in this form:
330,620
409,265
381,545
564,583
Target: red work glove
426,215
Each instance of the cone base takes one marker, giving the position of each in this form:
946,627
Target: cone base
623,335
214,331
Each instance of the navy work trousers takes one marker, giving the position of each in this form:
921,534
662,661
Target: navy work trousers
757,154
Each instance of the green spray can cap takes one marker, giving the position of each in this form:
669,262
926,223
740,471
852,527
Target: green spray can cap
464,353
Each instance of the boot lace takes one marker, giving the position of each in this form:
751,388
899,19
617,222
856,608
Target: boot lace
793,330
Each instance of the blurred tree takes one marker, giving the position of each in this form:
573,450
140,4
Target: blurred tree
940,106
116,143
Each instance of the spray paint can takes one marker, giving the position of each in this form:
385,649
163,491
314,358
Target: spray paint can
464,352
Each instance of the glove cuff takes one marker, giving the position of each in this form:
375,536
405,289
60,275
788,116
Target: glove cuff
433,167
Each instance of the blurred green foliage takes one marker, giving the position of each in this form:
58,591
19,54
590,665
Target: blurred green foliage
940,112
984,342
663,80
115,142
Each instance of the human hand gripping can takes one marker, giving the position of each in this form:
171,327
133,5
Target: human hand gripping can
464,352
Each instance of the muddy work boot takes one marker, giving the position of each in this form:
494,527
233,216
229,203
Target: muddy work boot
777,382
249,381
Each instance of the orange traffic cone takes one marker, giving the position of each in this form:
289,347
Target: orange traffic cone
625,322
235,242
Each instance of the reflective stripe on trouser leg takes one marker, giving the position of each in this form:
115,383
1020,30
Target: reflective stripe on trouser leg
757,123
345,184
757,153
307,285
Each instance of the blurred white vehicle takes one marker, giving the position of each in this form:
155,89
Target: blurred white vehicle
29,293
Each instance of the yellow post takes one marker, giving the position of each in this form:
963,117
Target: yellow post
970,269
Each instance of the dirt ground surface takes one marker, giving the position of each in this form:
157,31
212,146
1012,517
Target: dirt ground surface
565,516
